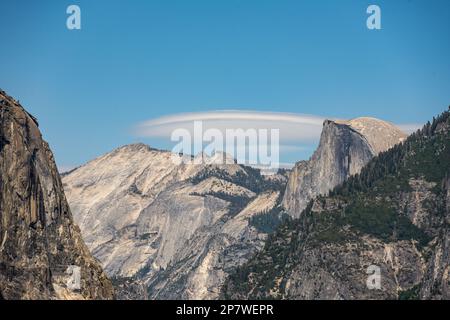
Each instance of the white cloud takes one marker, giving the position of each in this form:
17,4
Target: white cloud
293,127
298,133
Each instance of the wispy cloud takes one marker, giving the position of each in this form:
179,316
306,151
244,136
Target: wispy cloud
293,127
299,133
237,115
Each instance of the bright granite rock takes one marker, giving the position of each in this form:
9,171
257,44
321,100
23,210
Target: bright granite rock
142,214
344,148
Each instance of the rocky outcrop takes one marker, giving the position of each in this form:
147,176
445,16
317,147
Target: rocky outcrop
390,222
40,245
199,269
436,283
174,228
345,148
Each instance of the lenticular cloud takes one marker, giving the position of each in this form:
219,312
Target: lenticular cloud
293,127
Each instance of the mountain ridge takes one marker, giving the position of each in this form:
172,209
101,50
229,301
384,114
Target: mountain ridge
139,211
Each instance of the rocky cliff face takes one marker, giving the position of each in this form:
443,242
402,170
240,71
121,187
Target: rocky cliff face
172,230
38,238
344,148
392,219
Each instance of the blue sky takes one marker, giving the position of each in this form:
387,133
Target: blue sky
139,60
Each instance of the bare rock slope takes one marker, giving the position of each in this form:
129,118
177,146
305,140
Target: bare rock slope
38,238
168,229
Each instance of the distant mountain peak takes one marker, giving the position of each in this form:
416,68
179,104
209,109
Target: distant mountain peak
345,147
141,212
380,134
393,216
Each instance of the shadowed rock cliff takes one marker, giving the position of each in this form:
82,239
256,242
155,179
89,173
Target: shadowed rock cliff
38,238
